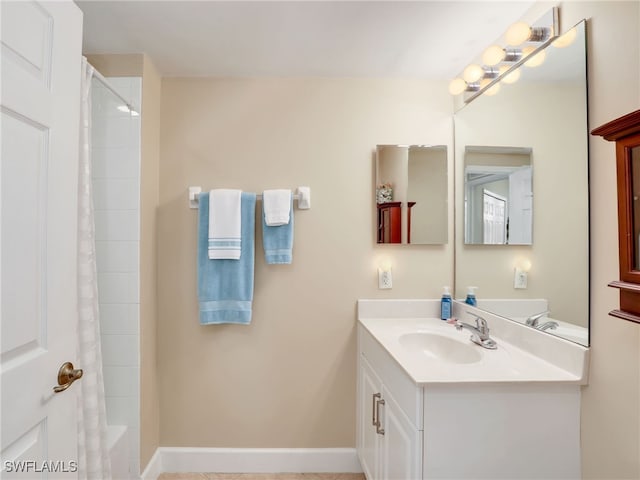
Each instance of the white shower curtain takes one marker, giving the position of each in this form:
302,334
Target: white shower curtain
93,451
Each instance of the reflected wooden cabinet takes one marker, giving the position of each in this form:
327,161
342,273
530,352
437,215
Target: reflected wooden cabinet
625,131
390,222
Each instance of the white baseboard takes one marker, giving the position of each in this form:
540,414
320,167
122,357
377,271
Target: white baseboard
154,467
252,460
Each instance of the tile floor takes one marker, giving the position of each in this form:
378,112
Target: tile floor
261,476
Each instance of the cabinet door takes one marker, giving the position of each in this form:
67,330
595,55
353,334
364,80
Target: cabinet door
401,452
368,440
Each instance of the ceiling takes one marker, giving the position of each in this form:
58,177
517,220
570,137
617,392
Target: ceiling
427,39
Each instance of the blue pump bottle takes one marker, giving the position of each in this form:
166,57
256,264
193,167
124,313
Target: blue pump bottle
445,304
471,296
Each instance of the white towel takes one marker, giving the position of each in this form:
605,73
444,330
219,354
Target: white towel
277,207
224,224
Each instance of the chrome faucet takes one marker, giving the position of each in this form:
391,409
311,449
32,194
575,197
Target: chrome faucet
550,325
479,333
532,321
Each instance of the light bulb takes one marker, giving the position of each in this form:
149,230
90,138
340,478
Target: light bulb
457,86
518,33
536,59
473,73
493,89
512,77
524,264
566,39
493,55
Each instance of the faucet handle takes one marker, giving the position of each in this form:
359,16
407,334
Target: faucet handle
481,323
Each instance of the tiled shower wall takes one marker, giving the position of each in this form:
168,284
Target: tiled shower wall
116,192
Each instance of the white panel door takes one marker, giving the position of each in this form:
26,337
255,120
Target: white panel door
40,104
401,455
494,219
520,207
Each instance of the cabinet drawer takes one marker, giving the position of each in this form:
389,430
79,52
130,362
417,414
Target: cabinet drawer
406,393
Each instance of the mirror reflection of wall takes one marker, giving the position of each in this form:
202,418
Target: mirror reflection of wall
545,113
498,195
411,194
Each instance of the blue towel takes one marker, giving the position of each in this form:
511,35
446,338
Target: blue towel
225,287
278,241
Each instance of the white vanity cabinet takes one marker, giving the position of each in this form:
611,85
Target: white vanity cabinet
389,439
417,420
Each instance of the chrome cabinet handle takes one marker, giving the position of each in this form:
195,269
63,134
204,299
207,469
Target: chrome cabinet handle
66,376
378,429
374,409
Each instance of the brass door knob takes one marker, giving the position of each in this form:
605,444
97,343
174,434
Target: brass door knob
66,376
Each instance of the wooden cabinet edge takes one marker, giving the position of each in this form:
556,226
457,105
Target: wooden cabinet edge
620,127
624,131
625,315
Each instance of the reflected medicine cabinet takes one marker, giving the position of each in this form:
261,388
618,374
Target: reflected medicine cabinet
625,131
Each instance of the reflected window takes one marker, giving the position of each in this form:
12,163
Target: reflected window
498,195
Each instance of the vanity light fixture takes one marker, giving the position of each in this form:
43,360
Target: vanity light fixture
495,54
565,39
457,86
472,73
537,58
476,78
498,62
521,32
511,77
491,90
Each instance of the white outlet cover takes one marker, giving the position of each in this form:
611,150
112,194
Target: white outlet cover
385,280
520,279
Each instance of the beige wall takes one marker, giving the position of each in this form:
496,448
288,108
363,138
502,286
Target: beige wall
149,197
611,401
129,65
288,379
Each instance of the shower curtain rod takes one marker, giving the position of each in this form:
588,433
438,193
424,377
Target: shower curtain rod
109,87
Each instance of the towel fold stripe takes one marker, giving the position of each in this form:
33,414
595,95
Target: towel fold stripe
217,305
222,241
278,251
213,243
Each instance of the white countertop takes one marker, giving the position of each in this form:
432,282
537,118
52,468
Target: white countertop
507,364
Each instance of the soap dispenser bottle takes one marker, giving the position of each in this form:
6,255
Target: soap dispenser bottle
445,304
471,296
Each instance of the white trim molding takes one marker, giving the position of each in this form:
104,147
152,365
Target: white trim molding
153,468
252,460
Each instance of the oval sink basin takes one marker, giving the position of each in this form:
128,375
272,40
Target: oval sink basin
441,348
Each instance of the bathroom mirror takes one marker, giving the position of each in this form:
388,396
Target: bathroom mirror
411,194
542,116
498,198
